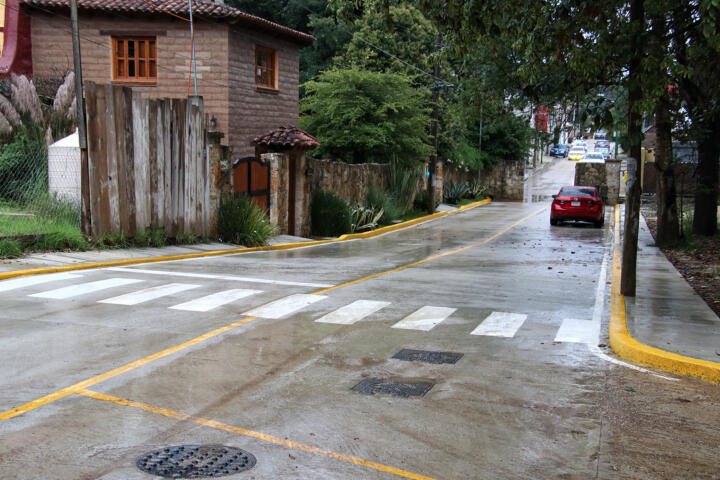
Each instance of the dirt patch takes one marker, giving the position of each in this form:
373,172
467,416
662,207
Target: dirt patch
698,262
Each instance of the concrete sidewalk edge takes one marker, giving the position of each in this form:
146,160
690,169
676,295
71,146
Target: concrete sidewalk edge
630,349
283,246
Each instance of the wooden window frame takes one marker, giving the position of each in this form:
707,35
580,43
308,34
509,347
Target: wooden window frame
141,58
270,68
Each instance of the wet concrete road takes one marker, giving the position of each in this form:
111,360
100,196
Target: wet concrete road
521,301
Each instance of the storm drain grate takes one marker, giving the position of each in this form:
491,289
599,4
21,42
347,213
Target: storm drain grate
196,461
427,356
371,386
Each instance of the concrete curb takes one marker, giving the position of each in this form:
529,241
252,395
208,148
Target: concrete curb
630,349
215,253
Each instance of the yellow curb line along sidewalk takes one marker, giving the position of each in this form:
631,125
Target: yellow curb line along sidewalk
629,348
214,253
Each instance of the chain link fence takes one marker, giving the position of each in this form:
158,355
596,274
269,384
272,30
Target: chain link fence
39,189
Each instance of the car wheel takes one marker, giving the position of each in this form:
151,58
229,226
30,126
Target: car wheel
553,222
599,223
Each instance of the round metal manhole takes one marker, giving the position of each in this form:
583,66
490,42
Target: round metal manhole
196,461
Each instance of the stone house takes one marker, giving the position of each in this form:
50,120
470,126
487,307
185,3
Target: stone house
247,67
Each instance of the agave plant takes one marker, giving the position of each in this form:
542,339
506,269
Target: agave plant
365,218
454,192
477,190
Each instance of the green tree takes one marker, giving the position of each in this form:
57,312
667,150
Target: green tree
361,116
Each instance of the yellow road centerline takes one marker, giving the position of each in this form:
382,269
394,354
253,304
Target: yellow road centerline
62,393
253,434
14,412
434,257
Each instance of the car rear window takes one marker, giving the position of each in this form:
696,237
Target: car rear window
577,192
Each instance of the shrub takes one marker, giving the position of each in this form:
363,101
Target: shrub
330,214
421,200
10,248
392,209
242,222
68,239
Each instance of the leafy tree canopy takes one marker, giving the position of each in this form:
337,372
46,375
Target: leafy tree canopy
361,116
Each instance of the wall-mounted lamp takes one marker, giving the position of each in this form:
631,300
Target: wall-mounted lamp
213,122
309,172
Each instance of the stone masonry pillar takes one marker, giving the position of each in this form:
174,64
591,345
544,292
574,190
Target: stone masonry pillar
220,175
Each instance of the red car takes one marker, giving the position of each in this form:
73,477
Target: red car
579,204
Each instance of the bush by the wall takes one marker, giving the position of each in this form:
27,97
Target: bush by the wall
241,221
330,215
392,208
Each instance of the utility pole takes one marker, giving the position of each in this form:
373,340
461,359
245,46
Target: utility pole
192,46
82,130
436,115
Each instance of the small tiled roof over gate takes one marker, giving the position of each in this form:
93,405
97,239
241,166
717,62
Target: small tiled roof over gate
287,137
207,9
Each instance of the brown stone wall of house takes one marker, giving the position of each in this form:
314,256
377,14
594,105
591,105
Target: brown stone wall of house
52,54
254,112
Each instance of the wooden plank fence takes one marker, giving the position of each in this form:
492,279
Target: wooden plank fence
147,163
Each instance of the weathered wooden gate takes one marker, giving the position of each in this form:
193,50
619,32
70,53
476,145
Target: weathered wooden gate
251,177
147,163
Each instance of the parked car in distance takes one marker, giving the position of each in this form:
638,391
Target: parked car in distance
605,150
577,153
559,150
594,157
600,134
578,203
579,143
602,143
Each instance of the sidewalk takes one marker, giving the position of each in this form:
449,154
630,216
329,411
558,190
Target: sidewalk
666,326
61,259
666,312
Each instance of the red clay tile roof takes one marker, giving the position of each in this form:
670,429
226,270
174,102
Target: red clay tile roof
288,137
207,9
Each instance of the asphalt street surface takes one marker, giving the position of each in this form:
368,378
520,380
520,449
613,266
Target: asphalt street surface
289,356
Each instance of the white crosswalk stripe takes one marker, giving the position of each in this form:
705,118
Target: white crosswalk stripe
284,306
12,284
353,312
425,318
210,302
83,288
148,294
500,324
573,330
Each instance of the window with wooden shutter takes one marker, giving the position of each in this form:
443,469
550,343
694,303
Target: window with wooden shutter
134,59
266,68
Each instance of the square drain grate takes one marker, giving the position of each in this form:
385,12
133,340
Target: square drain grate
427,356
371,386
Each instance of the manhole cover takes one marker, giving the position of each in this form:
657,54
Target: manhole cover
371,386
196,461
427,356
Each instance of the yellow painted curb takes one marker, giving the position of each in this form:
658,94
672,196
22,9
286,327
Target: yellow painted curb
627,347
214,253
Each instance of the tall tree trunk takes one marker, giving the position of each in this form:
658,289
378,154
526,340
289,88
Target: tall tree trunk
667,217
706,193
628,276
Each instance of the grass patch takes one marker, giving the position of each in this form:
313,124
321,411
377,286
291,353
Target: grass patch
10,248
413,214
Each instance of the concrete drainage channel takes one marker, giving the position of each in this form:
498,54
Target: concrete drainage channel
405,388
196,461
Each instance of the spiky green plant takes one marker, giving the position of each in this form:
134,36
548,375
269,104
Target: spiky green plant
242,222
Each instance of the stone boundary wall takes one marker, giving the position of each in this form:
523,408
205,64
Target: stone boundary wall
505,181
349,181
